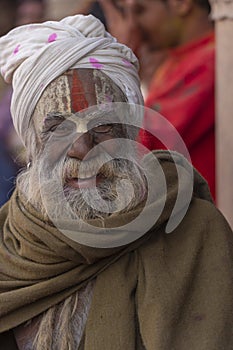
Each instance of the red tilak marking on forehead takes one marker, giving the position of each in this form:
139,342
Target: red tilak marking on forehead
79,101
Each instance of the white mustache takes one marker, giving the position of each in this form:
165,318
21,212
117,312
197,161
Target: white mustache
74,168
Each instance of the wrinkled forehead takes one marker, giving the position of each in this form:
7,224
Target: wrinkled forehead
75,91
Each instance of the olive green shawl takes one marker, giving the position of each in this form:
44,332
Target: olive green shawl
166,291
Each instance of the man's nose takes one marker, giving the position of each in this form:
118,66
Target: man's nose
81,146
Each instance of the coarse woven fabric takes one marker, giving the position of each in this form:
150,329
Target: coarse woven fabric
164,291
33,55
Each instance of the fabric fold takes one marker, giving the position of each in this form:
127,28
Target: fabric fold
41,267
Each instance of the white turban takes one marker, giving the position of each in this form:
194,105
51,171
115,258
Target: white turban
33,55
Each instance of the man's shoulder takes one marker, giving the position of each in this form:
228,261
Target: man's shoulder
202,227
206,217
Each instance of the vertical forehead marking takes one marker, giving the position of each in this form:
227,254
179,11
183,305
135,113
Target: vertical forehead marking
63,94
79,101
103,88
55,98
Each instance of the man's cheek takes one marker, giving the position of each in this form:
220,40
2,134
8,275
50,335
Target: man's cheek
55,150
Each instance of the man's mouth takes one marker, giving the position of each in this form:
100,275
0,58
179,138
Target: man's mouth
85,182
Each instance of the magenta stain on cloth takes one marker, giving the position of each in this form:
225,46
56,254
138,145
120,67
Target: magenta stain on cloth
109,98
16,50
95,63
127,63
52,37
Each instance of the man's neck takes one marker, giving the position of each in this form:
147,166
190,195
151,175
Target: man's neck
195,27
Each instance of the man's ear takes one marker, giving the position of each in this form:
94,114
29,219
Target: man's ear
181,7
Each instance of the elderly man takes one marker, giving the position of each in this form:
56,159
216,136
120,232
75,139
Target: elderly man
100,247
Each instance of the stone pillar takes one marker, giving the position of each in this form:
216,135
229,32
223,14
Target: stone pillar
222,14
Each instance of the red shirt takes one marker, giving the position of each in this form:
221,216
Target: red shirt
182,91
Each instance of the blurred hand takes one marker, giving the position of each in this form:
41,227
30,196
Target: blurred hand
121,24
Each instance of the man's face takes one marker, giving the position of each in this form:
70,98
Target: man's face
58,115
156,20
75,118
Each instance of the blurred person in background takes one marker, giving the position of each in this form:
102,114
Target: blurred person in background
7,15
182,88
30,11
97,11
13,13
8,167
121,24
57,9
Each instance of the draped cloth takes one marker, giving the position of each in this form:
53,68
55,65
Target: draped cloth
33,55
163,291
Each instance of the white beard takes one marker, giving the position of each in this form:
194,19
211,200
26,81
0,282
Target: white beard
50,195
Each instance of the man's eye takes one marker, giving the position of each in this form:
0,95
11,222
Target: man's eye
64,128
103,128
